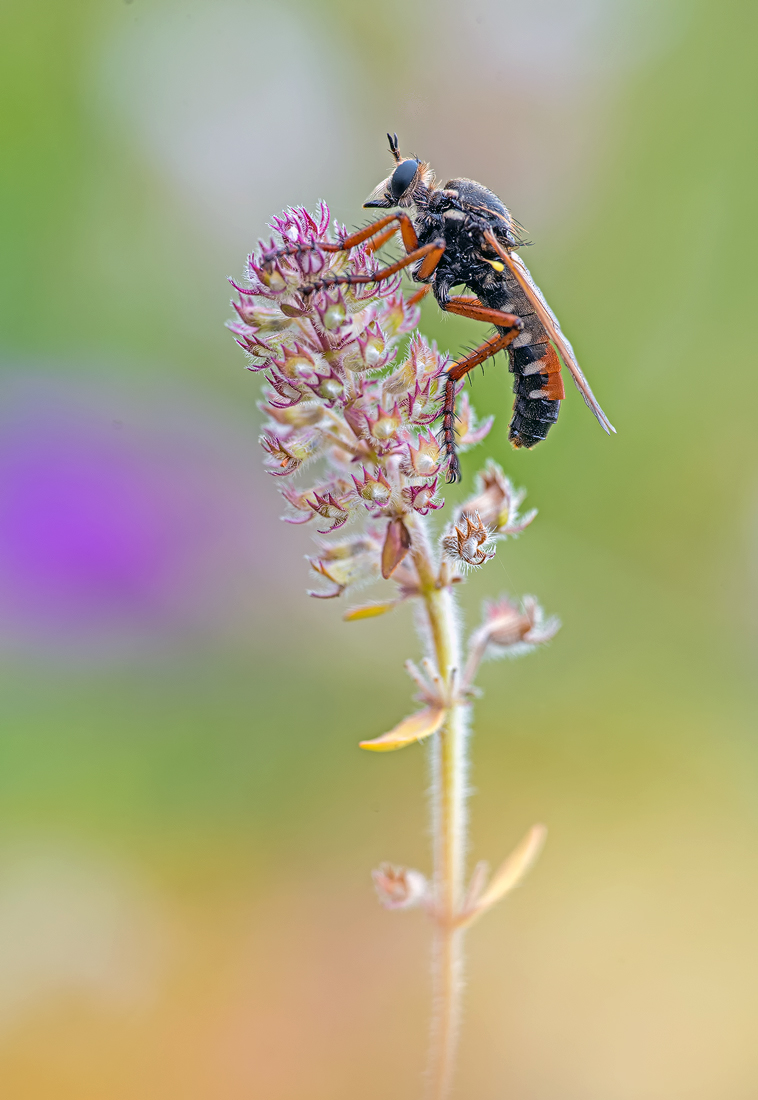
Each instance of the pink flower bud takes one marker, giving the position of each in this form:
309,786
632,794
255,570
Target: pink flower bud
373,346
422,403
422,365
352,562
424,460
288,455
273,278
374,490
263,319
296,362
509,627
332,311
399,887
282,461
385,425
330,508
496,502
397,316
469,432
329,387
296,415
421,499
288,393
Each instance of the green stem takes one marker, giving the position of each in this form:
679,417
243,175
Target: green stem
449,824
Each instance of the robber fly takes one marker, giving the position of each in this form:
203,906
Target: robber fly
462,234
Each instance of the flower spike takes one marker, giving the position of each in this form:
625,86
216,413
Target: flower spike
340,395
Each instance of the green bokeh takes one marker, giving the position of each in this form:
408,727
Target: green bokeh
235,753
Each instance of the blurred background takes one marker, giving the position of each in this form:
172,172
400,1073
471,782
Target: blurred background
186,823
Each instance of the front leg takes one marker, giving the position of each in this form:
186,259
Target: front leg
395,221
380,231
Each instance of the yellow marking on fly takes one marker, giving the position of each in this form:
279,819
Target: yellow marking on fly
498,266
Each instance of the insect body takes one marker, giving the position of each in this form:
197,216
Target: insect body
462,234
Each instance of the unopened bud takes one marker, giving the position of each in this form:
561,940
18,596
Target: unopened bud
496,502
424,460
399,887
374,490
509,627
334,316
385,425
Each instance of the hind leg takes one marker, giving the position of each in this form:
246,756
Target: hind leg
510,326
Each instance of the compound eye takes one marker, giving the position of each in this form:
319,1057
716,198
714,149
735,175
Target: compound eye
402,177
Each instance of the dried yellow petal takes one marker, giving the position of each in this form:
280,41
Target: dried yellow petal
369,611
415,728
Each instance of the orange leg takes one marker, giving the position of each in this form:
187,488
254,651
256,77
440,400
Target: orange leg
472,307
398,220
429,253
419,295
410,239
377,242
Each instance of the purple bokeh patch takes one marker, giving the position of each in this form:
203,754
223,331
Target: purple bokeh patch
112,528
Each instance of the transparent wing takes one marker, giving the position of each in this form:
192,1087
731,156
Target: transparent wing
520,273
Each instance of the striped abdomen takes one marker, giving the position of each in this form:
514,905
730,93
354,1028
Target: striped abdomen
534,362
539,390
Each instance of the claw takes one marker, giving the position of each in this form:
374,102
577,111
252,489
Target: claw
453,470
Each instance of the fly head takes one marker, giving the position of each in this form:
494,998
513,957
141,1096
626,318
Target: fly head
403,187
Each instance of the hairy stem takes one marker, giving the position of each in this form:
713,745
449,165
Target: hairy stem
448,799
448,816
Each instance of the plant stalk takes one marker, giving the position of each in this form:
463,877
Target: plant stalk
449,821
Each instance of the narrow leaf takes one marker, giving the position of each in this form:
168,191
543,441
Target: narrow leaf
478,879
369,611
510,873
415,728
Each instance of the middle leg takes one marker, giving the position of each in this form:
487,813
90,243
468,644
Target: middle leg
430,254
